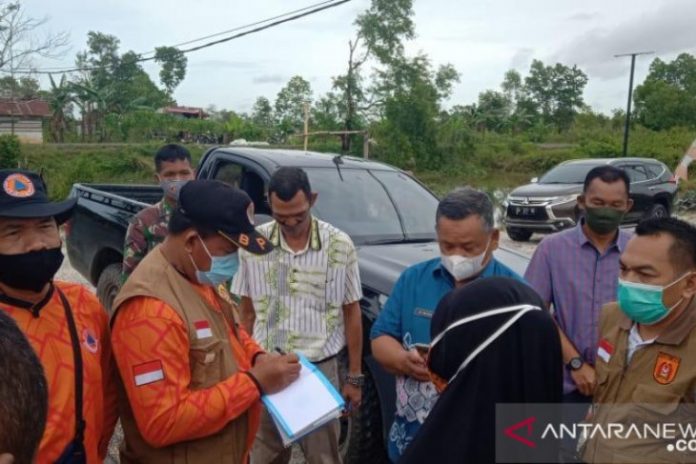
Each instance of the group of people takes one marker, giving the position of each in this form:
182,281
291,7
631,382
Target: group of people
174,361
602,317
214,310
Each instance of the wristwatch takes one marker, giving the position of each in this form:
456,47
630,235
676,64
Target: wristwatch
355,380
575,363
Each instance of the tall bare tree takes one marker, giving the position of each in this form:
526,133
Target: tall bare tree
20,41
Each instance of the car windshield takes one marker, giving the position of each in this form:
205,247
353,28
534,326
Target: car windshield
567,174
374,206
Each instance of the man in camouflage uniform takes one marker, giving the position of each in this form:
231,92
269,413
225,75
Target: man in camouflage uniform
149,227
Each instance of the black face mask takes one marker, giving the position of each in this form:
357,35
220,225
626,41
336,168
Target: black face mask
30,271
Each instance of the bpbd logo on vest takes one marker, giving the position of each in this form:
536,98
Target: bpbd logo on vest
540,433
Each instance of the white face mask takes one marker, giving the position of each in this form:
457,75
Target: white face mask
521,310
463,267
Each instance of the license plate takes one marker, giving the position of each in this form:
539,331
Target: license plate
522,211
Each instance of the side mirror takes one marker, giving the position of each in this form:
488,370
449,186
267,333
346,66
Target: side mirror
534,180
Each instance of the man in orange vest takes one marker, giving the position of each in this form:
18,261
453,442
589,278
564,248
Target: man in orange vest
191,375
64,323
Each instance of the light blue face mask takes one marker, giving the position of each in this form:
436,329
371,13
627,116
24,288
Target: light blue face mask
222,268
643,303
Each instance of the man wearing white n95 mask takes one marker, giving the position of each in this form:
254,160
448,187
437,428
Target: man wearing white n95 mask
467,237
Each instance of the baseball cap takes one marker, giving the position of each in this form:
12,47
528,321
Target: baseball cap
23,195
227,210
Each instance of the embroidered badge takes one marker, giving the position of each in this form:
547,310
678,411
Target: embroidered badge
422,312
666,368
203,329
90,341
18,186
147,373
605,350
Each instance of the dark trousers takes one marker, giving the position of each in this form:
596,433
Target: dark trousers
575,410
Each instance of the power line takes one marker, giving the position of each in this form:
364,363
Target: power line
303,13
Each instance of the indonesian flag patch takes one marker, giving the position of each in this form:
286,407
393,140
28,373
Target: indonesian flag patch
203,329
147,373
605,350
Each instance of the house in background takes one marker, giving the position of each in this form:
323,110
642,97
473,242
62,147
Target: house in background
187,112
24,118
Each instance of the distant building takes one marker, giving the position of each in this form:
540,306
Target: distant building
187,112
27,117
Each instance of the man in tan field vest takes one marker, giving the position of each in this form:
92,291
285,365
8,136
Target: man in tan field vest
191,377
646,359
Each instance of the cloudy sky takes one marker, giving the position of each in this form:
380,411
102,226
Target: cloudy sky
481,38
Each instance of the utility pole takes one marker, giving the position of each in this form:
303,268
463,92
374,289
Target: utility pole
627,128
306,124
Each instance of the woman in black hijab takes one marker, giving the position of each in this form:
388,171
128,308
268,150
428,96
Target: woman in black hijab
500,346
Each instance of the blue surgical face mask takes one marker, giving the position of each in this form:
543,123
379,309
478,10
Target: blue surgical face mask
643,303
222,268
172,188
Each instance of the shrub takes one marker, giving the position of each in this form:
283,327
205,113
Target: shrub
10,151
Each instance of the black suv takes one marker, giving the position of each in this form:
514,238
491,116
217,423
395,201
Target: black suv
549,204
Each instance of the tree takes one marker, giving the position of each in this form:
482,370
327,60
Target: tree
667,97
20,42
381,32
557,91
173,70
26,88
262,112
496,108
59,101
290,104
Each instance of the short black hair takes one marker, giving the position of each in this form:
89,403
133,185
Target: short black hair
463,202
23,394
287,181
169,153
179,222
683,250
608,174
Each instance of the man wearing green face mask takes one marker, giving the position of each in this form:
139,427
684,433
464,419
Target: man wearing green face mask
576,271
646,351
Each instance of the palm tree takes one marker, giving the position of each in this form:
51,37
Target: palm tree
59,101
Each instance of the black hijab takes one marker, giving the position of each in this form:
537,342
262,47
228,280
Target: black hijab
523,365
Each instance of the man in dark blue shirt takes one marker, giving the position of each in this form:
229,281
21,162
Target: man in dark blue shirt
467,237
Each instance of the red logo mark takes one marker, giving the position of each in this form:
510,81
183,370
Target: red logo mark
510,431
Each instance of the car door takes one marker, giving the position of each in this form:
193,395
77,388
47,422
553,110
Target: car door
640,191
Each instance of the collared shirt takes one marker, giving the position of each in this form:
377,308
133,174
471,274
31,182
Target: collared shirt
46,328
406,317
299,297
636,342
147,229
570,273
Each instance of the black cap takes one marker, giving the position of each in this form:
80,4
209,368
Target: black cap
23,195
225,209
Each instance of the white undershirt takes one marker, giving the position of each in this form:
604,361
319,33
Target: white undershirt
636,342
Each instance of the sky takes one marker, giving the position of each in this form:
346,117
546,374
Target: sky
481,38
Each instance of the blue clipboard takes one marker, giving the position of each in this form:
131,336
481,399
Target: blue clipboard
286,432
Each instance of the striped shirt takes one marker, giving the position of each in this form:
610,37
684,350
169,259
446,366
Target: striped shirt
568,272
299,297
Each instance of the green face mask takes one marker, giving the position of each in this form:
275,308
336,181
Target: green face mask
603,220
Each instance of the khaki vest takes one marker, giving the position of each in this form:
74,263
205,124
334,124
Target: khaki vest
155,277
659,382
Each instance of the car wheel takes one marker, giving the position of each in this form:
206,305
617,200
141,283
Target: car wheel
658,211
109,285
361,434
519,235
